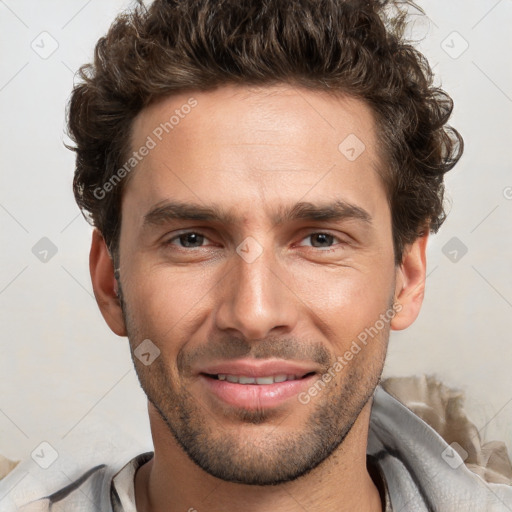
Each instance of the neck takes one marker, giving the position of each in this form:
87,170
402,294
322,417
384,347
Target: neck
171,482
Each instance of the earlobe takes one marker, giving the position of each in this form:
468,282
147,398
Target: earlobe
410,284
104,284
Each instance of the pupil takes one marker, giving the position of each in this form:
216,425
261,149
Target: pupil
323,237
189,239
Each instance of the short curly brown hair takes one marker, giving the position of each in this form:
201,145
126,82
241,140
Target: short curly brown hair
355,47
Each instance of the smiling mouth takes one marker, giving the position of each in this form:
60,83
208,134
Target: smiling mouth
264,389
261,381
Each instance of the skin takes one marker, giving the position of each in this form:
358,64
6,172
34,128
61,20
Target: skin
253,151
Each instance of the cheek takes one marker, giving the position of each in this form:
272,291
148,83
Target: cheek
164,301
346,301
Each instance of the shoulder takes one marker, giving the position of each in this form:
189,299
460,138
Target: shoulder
422,471
60,489
102,487
86,492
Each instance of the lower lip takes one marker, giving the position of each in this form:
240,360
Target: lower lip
256,396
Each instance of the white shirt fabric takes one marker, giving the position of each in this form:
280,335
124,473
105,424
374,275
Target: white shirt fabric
421,474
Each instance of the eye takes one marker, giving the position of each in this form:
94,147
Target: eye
188,240
322,240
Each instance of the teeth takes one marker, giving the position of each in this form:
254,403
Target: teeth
265,380
242,379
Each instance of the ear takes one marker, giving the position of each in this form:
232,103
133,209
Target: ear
104,284
410,284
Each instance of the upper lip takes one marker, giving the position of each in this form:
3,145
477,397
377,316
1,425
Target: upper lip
254,368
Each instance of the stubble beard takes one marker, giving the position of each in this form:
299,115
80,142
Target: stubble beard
276,455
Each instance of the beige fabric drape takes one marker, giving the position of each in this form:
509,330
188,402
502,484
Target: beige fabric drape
442,408
6,466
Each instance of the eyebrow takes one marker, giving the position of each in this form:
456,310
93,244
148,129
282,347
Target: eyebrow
335,211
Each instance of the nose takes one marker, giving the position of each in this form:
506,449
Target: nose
257,299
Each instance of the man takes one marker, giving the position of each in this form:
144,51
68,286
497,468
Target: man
263,178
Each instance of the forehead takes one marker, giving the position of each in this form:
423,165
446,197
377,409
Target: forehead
240,144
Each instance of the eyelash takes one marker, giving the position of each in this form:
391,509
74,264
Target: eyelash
325,250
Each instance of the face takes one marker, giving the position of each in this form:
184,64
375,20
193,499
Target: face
254,252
